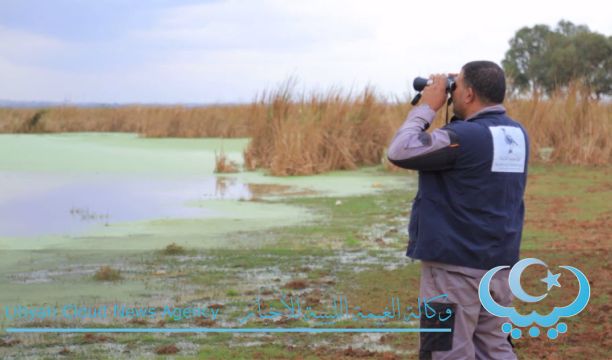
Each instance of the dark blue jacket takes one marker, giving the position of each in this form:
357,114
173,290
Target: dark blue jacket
471,212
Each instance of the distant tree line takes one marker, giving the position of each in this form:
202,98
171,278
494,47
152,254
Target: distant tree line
545,60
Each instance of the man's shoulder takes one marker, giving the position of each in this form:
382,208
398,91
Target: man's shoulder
483,122
465,128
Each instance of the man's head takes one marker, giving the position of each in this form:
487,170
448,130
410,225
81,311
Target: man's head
479,84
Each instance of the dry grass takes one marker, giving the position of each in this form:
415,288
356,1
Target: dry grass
148,121
576,127
223,165
106,273
9,342
167,349
320,132
329,132
297,284
173,249
298,135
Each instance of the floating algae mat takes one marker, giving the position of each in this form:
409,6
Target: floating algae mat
109,190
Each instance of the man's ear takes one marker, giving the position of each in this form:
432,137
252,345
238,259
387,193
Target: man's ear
470,95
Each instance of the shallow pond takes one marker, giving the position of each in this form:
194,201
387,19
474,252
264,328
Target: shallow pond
104,200
59,189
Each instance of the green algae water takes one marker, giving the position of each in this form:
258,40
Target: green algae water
121,191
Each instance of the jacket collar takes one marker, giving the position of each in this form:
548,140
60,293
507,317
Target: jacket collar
494,109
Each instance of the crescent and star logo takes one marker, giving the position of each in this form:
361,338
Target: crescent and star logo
533,320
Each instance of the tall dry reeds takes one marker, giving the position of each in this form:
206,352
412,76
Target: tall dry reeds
574,126
299,135
332,131
148,121
317,133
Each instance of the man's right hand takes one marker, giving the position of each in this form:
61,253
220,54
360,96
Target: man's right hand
434,95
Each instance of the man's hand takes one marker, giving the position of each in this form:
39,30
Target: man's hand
434,95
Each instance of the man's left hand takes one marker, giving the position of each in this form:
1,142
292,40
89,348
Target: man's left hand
434,94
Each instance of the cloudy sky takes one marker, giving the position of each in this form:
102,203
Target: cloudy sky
162,51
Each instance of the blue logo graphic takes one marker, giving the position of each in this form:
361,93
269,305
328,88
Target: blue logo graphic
533,320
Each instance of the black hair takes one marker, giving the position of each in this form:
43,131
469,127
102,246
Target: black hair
487,79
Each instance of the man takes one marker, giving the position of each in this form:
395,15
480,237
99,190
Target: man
467,216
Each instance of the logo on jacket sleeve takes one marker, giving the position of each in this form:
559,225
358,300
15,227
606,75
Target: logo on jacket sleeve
509,149
534,320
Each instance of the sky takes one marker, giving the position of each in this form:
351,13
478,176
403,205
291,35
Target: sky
229,51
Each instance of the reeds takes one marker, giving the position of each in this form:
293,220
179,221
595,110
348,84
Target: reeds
223,165
148,121
318,133
576,128
295,134
332,131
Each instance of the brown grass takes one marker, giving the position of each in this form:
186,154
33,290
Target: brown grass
167,350
297,284
95,338
320,132
576,127
300,135
106,273
323,133
9,342
148,121
173,249
223,165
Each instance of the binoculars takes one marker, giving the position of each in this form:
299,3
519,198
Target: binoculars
419,83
